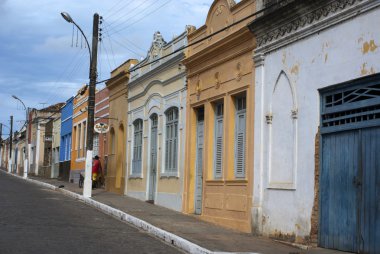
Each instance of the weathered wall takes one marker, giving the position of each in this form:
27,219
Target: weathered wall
289,73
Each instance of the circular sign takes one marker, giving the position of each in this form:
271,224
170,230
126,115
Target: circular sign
101,128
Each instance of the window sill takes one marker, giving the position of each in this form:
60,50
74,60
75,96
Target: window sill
135,176
169,175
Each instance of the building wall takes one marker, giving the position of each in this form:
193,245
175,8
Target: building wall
220,70
154,90
115,180
78,137
102,116
289,72
66,139
56,146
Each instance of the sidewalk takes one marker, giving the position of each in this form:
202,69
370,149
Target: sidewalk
211,237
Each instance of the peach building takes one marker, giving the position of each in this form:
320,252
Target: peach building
220,113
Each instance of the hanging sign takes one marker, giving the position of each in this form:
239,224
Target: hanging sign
101,128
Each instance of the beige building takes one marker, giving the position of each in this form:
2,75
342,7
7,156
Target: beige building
220,113
156,124
117,87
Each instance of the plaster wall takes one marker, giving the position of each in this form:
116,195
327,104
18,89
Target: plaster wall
154,90
283,195
220,69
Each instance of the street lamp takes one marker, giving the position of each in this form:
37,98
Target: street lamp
26,164
87,187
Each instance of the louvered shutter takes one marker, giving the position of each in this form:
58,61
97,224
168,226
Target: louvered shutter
218,147
171,140
240,144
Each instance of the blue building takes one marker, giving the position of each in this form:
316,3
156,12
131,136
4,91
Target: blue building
65,144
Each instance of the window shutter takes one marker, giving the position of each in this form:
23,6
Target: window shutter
171,140
137,147
240,145
218,148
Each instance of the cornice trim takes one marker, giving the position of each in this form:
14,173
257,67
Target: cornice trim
159,69
293,28
154,82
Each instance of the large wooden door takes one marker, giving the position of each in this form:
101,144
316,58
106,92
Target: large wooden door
350,167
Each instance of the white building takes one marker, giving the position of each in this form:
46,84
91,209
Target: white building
317,82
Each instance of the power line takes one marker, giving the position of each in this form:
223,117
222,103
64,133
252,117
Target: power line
124,38
135,8
143,17
279,2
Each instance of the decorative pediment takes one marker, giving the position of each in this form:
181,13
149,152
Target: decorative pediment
157,44
219,15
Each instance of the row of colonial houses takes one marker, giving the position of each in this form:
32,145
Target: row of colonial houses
265,120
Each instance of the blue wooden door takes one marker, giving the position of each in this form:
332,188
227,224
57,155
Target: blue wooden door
350,166
369,241
338,192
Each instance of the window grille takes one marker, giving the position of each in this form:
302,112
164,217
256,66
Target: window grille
351,107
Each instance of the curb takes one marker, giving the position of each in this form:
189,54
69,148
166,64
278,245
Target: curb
166,236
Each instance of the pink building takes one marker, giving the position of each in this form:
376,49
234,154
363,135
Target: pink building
101,116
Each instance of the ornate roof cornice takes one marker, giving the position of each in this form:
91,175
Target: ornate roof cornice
296,16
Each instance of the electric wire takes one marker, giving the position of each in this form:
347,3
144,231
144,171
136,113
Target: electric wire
132,14
279,2
133,10
143,17
122,37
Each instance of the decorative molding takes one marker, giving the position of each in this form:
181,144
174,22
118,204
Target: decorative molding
295,113
269,118
217,80
259,59
289,20
238,72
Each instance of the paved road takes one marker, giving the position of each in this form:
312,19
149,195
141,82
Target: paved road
38,220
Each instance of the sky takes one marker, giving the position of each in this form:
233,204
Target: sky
42,61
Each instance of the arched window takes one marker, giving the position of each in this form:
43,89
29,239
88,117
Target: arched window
137,146
171,140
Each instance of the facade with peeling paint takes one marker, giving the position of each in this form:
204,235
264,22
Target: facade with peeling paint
156,124
303,48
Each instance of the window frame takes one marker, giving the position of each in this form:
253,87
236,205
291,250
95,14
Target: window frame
171,142
240,111
136,160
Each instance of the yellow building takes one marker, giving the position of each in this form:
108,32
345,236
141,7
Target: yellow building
156,129
220,113
117,86
78,142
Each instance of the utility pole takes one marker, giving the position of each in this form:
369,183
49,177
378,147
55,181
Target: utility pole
10,146
87,187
